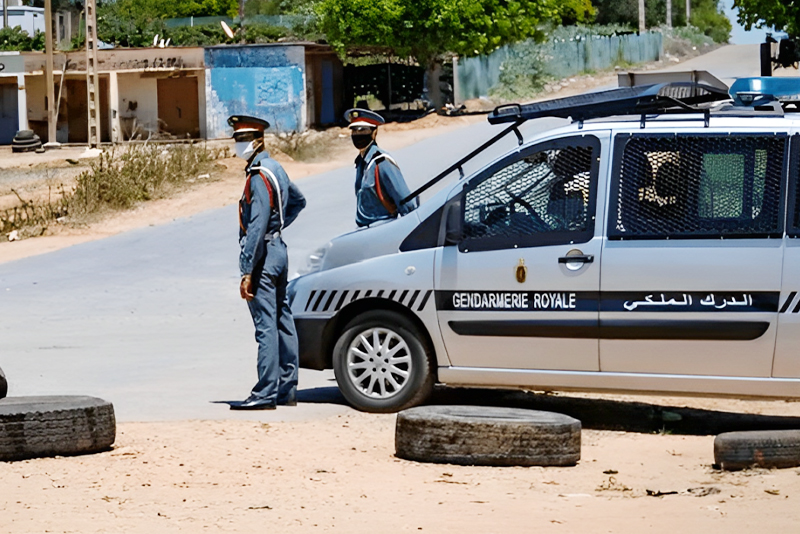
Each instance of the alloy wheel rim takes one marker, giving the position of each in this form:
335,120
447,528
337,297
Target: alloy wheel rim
379,363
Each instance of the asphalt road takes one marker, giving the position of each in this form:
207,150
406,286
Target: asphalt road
151,319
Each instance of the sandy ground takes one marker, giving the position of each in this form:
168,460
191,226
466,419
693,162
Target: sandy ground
340,475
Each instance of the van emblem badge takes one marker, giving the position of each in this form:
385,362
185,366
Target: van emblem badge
521,271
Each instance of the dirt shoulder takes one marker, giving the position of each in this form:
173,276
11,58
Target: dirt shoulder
237,476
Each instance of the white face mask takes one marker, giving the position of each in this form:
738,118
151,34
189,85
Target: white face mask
245,149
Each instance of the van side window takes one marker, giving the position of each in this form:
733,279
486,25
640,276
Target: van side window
794,189
544,196
698,186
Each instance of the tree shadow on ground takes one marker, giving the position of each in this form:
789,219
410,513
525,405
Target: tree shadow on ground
627,416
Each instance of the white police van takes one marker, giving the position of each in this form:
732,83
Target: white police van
655,251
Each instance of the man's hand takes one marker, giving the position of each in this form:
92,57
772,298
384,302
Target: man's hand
246,287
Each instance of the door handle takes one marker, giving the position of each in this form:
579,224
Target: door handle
577,258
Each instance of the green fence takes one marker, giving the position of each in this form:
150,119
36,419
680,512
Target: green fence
560,58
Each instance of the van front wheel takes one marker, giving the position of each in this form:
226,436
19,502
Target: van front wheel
381,363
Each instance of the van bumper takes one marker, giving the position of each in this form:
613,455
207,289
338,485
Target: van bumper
310,337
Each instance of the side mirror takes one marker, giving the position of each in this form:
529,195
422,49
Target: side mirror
451,223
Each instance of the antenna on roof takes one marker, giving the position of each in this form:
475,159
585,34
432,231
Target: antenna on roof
227,29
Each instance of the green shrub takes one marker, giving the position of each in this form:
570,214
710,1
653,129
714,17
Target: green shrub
263,33
202,35
141,172
18,39
712,22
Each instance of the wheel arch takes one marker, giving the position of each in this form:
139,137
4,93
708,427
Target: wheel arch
336,325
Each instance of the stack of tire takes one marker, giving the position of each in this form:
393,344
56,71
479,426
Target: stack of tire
26,141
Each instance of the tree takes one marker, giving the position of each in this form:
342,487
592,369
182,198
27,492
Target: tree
782,15
135,22
426,29
706,15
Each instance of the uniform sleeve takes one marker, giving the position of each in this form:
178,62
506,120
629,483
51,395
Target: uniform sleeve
394,186
294,204
253,247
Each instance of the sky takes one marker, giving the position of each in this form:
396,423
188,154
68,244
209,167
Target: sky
739,35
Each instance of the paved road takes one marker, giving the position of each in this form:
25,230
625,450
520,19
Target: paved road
151,319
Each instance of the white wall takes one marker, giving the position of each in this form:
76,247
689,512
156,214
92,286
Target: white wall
141,94
31,19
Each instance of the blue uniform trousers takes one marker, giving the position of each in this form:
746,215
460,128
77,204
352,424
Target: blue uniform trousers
275,331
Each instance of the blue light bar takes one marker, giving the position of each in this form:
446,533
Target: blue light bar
758,91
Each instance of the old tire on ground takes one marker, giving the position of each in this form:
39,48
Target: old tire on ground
759,448
31,427
23,134
382,363
3,385
482,435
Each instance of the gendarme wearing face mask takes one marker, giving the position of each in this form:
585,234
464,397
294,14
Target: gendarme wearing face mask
380,185
269,203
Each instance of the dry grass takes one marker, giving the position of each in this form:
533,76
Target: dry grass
119,179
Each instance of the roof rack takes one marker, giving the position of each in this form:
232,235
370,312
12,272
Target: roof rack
639,100
649,99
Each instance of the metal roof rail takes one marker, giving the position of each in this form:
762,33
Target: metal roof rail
641,100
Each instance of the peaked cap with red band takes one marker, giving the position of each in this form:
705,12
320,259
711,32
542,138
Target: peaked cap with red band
243,123
358,117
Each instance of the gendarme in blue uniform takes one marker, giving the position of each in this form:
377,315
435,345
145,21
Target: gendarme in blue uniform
381,200
265,209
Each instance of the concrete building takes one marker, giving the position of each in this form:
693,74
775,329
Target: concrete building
30,19
175,92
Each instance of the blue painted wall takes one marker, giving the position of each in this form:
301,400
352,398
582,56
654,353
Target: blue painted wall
262,81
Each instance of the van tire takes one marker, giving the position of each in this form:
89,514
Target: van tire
482,435
759,448
32,427
415,388
3,384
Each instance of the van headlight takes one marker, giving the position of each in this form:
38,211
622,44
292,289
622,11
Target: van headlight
315,260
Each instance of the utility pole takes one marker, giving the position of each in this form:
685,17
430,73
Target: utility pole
669,13
5,14
48,76
688,11
92,76
641,17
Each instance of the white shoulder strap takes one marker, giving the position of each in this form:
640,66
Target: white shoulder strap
379,158
274,181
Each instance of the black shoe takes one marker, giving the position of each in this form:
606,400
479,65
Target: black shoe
290,400
253,403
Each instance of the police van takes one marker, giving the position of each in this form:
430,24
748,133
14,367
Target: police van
650,246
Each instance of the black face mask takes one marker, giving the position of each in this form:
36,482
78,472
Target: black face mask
361,141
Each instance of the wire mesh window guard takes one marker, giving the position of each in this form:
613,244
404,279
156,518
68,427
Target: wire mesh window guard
544,198
794,196
701,186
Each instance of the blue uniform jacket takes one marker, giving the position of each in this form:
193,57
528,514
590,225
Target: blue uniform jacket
257,219
393,186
